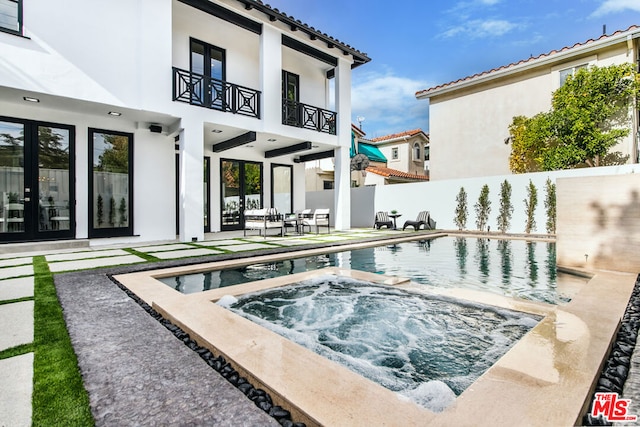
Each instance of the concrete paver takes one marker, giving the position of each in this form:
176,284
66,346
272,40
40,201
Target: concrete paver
218,243
248,247
16,374
16,323
84,264
185,253
16,261
8,272
73,256
21,287
162,248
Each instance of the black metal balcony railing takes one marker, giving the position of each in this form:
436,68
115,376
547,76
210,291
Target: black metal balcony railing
204,91
309,117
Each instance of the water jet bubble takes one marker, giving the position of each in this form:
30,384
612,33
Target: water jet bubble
227,301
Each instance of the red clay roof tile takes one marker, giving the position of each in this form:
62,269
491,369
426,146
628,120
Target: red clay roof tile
388,172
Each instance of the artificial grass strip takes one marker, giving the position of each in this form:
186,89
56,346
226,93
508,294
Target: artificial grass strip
18,350
59,397
142,255
11,301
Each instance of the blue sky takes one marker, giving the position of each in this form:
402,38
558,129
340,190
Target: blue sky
417,44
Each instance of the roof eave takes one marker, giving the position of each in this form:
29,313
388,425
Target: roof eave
359,58
556,57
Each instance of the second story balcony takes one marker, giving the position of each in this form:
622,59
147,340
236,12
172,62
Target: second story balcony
208,92
308,117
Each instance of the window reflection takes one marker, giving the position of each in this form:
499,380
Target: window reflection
111,180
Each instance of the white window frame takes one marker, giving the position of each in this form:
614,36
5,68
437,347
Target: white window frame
394,153
416,152
4,7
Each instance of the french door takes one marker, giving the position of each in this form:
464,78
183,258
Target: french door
37,170
208,75
241,189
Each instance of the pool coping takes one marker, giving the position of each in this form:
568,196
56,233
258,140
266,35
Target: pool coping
546,378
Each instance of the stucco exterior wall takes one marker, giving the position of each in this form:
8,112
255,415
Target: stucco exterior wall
242,48
599,222
468,127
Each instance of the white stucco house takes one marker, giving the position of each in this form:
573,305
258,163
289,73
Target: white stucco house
469,117
140,120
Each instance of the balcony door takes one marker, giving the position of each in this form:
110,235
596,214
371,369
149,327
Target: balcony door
207,75
241,189
290,99
37,198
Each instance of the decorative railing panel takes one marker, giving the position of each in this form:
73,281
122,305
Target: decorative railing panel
309,117
204,91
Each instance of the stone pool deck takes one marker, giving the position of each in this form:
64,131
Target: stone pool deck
137,373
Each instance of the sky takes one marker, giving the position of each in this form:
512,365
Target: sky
418,44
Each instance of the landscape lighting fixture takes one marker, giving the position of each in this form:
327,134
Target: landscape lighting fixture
30,99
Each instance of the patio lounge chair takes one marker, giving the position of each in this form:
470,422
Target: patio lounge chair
382,218
423,219
319,218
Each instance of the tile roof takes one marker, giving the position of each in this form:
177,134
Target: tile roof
388,172
295,24
524,61
397,135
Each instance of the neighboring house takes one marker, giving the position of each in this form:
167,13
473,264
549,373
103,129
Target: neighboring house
139,120
320,173
410,161
469,118
406,151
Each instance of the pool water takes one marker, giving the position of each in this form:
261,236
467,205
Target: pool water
514,268
428,349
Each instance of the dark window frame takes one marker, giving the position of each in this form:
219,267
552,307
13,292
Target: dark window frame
30,165
207,187
20,20
207,48
241,191
286,76
113,231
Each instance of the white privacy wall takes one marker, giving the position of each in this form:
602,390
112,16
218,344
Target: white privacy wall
439,197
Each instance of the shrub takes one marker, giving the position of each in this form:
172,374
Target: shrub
530,203
506,208
461,209
550,206
483,208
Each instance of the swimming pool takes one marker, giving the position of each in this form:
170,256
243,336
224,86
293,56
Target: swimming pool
428,349
514,268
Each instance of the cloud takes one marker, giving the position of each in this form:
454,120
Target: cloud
615,6
388,103
478,28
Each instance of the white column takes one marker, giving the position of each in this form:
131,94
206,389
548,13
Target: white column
342,188
191,202
271,76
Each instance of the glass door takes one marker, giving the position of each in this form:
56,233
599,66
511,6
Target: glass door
37,197
12,179
282,188
208,74
241,189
